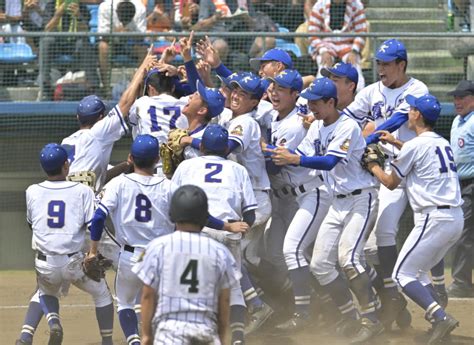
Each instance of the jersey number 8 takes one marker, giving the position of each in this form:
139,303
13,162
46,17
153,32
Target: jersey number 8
142,208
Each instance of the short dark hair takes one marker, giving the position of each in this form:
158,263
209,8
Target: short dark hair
326,99
144,163
398,60
89,120
428,123
55,172
161,83
125,12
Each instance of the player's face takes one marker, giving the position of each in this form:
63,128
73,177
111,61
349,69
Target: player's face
345,90
268,69
282,98
390,73
193,106
241,102
464,105
413,114
319,108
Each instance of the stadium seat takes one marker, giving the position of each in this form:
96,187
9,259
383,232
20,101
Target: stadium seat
16,53
94,21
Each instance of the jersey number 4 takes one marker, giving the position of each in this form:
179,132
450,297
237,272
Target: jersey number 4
442,160
175,112
189,276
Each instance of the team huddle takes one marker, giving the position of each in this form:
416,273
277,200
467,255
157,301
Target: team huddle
232,198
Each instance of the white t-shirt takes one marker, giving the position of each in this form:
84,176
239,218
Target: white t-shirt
58,212
226,183
138,206
90,149
428,165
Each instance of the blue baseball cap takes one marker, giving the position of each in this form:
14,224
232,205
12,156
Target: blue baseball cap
320,88
250,83
391,50
213,97
145,146
289,79
342,69
52,157
230,78
428,105
275,54
90,106
215,138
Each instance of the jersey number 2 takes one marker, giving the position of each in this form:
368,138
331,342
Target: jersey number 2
442,160
56,211
142,208
215,169
189,276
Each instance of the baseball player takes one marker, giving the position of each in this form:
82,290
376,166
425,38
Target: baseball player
187,278
427,164
384,104
293,184
231,198
335,146
58,212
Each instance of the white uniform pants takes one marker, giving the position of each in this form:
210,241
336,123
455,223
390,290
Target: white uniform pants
342,236
434,233
127,284
172,332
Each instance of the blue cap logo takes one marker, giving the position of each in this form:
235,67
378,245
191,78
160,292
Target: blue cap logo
215,138
428,105
391,50
250,83
52,157
214,99
229,79
289,79
320,88
90,106
145,147
342,70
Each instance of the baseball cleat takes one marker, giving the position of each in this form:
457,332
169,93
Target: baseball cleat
258,318
296,323
368,330
442,329
403,319
55,334
22,342
347,327
391,308
443,299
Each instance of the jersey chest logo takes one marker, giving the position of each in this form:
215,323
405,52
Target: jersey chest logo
378,110
317,147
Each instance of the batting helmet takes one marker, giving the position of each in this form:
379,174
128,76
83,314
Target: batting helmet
215,139
189,205
52,157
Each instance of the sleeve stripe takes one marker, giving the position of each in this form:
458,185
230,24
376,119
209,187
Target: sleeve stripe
351,114
397,170
301,153
239,141
253,206
119,114
337,153
104,208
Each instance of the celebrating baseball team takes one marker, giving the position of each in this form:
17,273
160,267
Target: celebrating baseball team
273,192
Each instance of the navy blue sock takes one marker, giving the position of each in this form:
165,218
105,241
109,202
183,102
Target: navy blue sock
300,279
422,296
388,257
342,297
376,280
237,322
50,306
437,275
105,319
129,324
250,293
362,288
32,319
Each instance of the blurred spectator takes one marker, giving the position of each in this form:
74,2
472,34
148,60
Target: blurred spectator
338,16
33,19
286,13
463,7
303,42
67,16
185,13
12,19
158,17
120,16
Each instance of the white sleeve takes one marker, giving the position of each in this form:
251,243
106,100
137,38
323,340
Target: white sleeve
89,203
108,203
133,116
241,131
111,128
249,202
147,266
359,109
405,159
291,137
307,147
28,206
141,19
345,136
104,17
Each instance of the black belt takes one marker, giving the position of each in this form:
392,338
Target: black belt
128,248
443,207
355,192
42,256
466,182
295,191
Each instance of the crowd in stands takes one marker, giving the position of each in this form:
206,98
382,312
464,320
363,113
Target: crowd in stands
94,56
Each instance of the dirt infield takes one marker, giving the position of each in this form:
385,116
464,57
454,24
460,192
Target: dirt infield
80,326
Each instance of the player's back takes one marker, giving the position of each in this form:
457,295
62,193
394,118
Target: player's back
427,162
157,115
191,269
139,208
226,183
58,212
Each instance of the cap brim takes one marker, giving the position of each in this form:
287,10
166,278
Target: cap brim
411,100
385,58
255,63
223,80
327,72
201,90
309,96
460,93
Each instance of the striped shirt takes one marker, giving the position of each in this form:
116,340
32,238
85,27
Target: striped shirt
354,21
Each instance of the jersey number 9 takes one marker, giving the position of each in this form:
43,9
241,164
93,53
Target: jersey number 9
56,211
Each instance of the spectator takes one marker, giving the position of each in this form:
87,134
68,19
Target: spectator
463,7
33,19
185,13
338,16
13,20
157,16
67,16
462,143
303,42
120,16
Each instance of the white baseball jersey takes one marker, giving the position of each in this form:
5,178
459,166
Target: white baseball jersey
138,206
289,132
342,139
226,183
90,149
157,115
427,163
187,270
189,151
58,212
246,131
378,103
